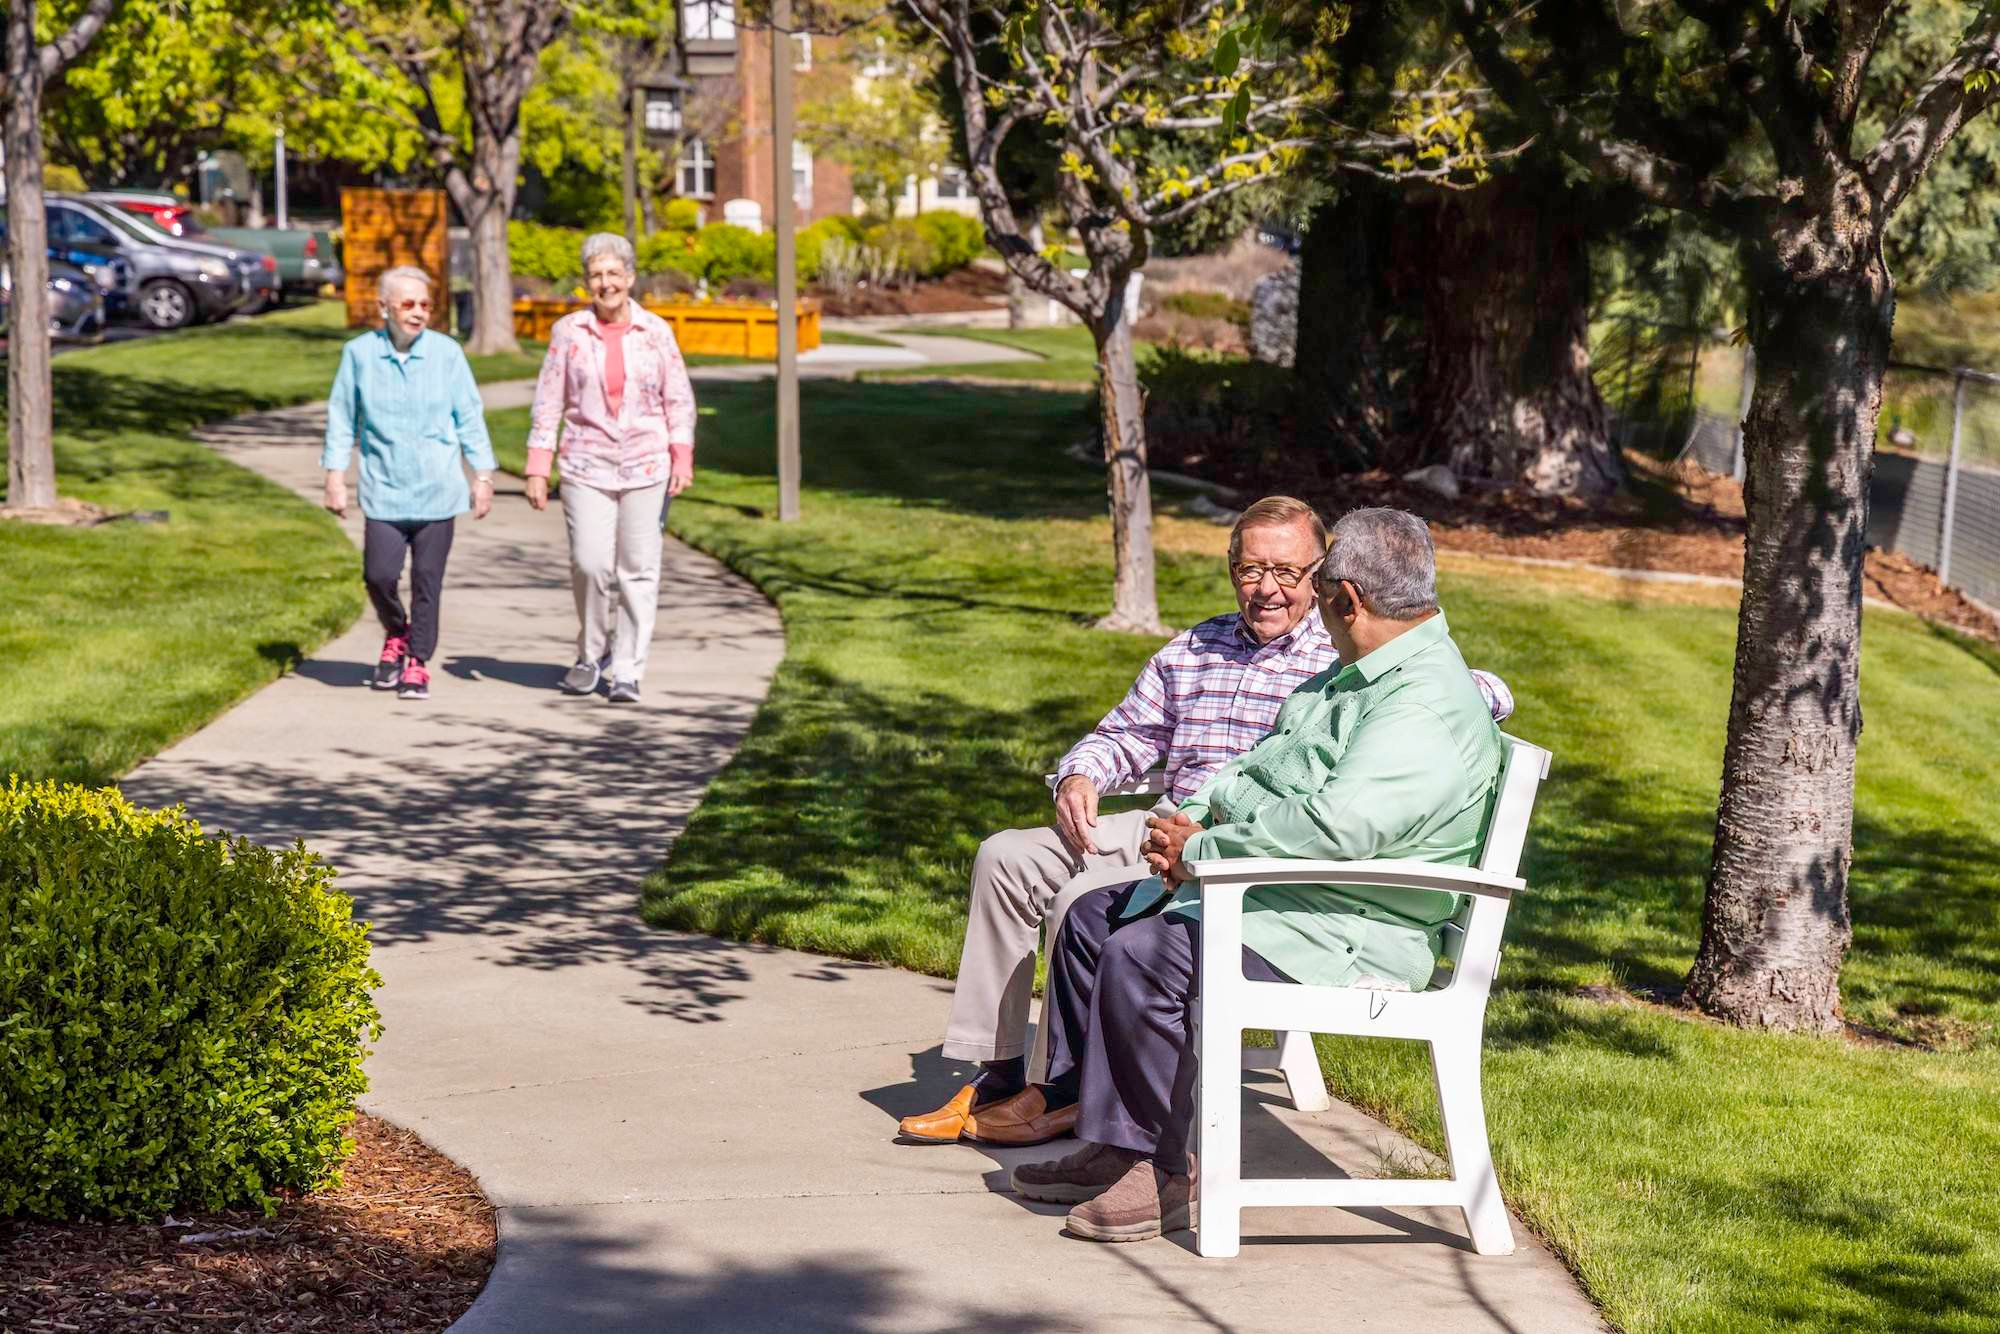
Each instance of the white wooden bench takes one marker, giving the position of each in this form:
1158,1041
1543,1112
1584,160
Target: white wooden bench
1450,1016
1293,1057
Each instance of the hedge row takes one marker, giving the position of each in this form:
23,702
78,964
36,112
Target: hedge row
182,1017
929,245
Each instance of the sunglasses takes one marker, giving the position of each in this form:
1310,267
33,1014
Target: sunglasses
413,303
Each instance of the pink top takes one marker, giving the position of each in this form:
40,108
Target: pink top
635,439
614,362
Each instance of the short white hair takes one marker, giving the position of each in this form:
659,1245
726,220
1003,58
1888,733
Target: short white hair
1387,555
599,244
401,273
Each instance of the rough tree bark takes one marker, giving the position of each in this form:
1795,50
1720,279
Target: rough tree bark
1775,922
1504,394
1133,600
1349,359
484,197
31,466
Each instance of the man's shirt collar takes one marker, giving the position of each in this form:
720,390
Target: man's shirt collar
1308,628
416,344
1372,667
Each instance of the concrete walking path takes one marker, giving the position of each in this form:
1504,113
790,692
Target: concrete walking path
682,1133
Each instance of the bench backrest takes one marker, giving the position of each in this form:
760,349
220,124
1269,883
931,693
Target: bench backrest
1521,773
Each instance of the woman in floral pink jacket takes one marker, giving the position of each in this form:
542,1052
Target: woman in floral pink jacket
614,382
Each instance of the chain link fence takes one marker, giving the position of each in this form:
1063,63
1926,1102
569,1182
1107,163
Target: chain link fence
1935,492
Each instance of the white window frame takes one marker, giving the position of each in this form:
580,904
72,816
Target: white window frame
951,183
802,173
695,158
710,20
802,59
879,65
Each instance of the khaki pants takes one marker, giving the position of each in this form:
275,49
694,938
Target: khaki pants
614,571
1021,879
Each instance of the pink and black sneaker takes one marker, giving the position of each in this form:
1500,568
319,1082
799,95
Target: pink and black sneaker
415,682
389,669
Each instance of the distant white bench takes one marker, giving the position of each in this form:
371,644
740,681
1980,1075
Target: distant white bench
1450,1015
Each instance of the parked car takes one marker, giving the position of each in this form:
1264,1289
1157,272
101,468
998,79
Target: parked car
101,264
305,259
76,303
259,267
173,283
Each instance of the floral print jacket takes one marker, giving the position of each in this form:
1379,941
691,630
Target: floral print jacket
654,428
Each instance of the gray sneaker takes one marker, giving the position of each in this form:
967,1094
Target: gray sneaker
580,679
624,692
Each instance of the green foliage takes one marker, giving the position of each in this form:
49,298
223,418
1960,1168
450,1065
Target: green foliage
908,245
677,250
681,215
183,1013
554,253
1207,306
726,252
955,239
811,242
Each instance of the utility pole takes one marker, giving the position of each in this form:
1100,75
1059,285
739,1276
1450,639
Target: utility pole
634,102
284,214
788,284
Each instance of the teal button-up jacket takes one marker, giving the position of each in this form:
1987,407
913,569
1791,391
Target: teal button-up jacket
1393,755
414,418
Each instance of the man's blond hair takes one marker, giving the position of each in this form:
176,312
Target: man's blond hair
1276,512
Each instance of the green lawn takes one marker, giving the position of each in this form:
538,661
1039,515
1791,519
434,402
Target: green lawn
937,599
116,640
1067,355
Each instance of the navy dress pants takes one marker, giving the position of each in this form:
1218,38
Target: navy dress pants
1120,999
385,546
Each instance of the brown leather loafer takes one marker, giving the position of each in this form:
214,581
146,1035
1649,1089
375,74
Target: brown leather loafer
1022,1119
941,1126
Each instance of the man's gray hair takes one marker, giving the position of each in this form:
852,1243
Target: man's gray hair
401,273
609,243
1387,554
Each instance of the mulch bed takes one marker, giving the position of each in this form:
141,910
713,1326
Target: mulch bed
1678,518
973,287
403,1245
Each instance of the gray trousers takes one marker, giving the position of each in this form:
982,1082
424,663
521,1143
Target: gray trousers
614,564
1021,878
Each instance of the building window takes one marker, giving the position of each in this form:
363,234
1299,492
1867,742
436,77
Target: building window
879,65
802,59
710,20
697,170
953,184
802,173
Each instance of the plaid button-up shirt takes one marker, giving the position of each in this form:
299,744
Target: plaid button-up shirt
1212,693
1208,696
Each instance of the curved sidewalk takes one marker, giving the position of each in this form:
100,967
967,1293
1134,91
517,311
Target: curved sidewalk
681,1133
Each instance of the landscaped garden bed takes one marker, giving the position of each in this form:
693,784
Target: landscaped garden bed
403,1245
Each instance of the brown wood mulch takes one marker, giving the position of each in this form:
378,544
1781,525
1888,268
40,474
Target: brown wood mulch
974,287
1677,518
403,1245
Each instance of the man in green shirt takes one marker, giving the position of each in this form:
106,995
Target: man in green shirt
1394,753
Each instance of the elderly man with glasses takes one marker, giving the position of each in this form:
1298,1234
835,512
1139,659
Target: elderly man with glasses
406,397
1393,754
1208,696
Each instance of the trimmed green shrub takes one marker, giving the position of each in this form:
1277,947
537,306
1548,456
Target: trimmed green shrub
812,243
181,1016
955,240
1208,306
681,215
554,253
727,251
679,251
905,246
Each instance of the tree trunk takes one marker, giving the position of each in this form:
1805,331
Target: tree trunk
31,462
485,201
1505,395
1349,357
1775,922
1018,292
1134,605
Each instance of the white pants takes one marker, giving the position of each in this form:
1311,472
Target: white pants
614,570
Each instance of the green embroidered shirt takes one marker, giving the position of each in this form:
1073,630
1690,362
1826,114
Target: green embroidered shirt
1393,755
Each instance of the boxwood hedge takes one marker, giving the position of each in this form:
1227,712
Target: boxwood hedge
182,1017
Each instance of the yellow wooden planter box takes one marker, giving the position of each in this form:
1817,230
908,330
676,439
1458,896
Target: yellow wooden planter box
711,328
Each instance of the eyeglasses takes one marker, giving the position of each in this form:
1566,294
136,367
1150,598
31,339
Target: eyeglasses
413,303
1288,576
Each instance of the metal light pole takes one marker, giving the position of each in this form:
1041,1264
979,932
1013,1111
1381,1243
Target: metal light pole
284,213
788,286
633,111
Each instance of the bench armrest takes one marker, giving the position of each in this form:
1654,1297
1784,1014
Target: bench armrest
1224,879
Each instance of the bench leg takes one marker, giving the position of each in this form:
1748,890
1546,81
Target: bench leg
1300,1063
1218,1230
1455,1066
